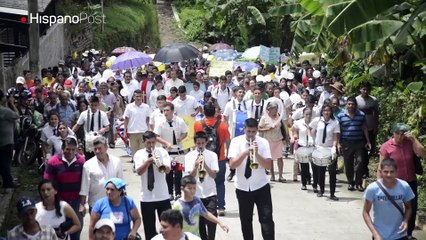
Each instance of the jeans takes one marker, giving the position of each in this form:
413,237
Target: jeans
148,216
210,234
75,204
414,205
332,177
220,185
354,158
262,198
5,162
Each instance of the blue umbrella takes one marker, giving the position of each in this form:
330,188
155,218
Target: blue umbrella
226,55
129,60
246,66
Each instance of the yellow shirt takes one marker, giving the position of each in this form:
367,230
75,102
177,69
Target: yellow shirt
47,82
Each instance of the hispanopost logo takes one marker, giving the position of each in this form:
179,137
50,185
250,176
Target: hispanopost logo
83,17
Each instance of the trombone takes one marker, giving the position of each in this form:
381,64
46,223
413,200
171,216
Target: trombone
253,163
157,162
201,170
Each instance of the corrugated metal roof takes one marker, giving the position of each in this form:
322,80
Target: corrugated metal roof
20,5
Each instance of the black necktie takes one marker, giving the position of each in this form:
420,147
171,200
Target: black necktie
92,122
247,172
256,113
324,133
54,132
239,106
174,135
151,179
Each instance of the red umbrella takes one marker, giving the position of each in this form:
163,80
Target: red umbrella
219,46
121,50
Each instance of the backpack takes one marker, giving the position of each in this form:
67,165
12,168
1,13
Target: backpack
213,143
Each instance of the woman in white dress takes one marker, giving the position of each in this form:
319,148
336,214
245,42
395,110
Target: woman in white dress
55,213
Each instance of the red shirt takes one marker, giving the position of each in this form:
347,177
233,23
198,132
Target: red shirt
222,132
403,154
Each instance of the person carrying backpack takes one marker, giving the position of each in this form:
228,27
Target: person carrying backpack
218,140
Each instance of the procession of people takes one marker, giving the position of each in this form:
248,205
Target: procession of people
184,129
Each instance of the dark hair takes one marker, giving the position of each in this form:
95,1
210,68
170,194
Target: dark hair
137,91
53,112
172,217
59,124
331,110
352,99
1,94
388,162
169,104
228,72
222,78
57,200
69,141
312,99
196,84
365,85
182,89
173,89
94,99
161,97
82,100
200,134
148,135
158,82
209,109
251,123
188,179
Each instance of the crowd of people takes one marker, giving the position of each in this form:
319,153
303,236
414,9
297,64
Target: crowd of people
184,129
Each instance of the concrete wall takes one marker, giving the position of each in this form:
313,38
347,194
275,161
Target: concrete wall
53,47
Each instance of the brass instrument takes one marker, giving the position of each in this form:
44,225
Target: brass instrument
157,162
253,163
201,170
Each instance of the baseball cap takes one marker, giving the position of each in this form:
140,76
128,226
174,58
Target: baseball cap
400,127
118,183
105,222
24,204
20,80
68,83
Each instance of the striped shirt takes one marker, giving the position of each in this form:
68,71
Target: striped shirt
67,175
351,128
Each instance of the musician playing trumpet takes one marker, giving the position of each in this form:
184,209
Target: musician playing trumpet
204,162
252,186
152,164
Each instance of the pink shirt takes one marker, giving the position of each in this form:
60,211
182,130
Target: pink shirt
403,155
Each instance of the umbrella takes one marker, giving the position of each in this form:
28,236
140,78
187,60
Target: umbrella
219,46
130,60
121,50
246,66
226,55
176,52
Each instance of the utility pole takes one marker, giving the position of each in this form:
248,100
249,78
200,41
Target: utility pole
34,39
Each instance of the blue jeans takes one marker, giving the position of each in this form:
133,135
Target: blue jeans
220,184
75,204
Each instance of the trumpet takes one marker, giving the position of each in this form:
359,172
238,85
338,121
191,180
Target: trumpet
253,163
157,162
201,170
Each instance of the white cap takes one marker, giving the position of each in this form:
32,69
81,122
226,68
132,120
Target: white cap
105,222
316,74
20,80
290,75
259,78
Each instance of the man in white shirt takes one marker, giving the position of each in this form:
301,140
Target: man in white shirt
185,104
158,91
96,171
157,116
196,92
203,165
252,186
94,121
130,85
222,94
171,222
173,82
152,164
170,134
256,106
326,94
136,121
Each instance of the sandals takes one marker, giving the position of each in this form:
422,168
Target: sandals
282,180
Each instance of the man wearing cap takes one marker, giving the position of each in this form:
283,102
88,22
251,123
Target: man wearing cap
29,227
337,91
96,171
354,141
403,147
104,230
16,92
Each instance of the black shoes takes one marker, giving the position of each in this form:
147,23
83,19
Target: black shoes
351,187
334,198
320,194
360,188
315,190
